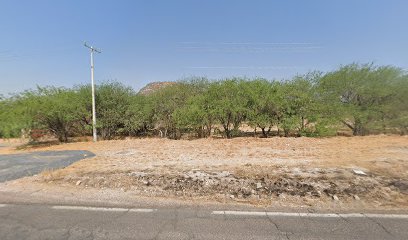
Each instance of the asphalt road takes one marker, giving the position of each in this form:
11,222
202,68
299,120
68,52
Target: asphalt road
13,166
70,222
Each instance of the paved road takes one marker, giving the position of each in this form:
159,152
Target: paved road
70,222
13,166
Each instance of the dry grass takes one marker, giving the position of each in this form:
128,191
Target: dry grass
319,162
387,155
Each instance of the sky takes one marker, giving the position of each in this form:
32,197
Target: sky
142,41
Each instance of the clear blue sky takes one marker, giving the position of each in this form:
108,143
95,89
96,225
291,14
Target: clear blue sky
151,40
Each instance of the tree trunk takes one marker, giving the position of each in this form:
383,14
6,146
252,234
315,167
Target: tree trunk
62,136
264,133
359,129
228,133
226,125
286,132
269,131
201,132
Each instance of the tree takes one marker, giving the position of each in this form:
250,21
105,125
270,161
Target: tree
165,104
13,117
228,103
56,110
365,98
263,109
363,95
297,105
195,116
113,100
139,115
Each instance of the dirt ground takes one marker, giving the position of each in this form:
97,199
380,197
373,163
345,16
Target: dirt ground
360,172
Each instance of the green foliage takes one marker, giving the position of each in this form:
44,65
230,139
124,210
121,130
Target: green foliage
166,105
264,105
195,116
365,98
13,117
302,109
228,103
112,103
54,109
139,115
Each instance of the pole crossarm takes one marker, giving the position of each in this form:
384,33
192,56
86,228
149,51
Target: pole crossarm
92,48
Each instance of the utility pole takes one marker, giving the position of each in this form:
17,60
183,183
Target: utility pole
92,50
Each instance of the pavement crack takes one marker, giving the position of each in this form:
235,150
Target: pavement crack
380,225
343,218
277,227
172,222
340,228
121,215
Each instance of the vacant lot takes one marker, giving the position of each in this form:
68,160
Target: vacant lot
367,171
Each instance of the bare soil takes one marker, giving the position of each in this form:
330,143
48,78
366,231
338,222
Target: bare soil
361,172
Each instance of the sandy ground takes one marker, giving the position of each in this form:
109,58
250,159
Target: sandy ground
262,172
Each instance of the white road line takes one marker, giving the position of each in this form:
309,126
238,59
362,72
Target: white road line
319,215
326,215
245,213
145,210
3,205
103,209
400,216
